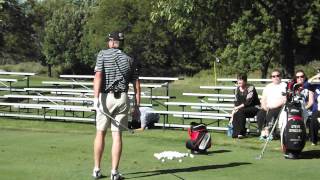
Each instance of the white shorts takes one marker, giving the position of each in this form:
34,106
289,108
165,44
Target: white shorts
117,108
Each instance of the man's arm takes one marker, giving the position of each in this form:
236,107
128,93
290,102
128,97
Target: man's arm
97,81
263,100
314,78
137,92
310,99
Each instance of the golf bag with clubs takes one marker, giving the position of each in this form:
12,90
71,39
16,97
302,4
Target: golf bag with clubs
292,123
200,138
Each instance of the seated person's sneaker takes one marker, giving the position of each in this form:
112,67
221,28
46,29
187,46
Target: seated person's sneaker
96,174
291,156
116,176
270,137
264,133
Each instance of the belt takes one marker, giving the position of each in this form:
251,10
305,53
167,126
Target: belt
115,91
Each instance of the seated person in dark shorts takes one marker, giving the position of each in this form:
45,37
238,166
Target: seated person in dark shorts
246,105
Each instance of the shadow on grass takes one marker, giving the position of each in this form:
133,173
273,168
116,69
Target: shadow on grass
189,169
213,152
312,154
218,151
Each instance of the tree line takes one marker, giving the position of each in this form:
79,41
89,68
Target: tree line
167,37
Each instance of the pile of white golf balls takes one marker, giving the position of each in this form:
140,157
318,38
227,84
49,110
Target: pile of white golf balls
171,155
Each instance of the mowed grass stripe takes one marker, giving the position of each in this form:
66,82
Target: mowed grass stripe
67,154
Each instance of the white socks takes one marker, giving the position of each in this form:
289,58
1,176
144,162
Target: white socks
114,171
96,169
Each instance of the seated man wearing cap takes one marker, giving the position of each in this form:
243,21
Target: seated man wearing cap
114,71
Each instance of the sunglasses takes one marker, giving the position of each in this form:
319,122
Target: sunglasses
302,76
274,76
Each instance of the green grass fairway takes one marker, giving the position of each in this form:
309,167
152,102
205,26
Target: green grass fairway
37,150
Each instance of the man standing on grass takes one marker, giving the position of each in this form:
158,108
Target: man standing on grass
113,72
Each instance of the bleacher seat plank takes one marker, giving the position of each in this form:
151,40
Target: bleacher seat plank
60,90
91,84
191,113
199,104
209,95
17,73
67,83
188,126
8,80
49,117
198,117
49,106
141,77
249,80
157,97
77,76
48,97
72,93
161,78
221,99
212,108
12,89
225,87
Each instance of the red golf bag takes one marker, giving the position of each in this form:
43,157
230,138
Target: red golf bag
200,138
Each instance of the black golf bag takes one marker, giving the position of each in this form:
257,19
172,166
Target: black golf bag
293,131
200,138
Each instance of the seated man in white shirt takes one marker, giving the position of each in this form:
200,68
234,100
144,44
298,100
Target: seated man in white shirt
272,101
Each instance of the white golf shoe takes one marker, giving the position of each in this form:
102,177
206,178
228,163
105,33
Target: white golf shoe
116,176
96,174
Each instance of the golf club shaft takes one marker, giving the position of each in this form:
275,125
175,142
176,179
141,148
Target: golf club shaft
113,119
268,139
273,128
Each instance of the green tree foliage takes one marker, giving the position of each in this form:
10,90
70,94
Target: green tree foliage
291,16
249,35
63,35
206,21
184,36
17,35
153,45
253,43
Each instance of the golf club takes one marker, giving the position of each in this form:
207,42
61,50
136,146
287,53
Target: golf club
270,134
126,128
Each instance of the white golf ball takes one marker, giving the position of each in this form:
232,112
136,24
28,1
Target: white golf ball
180,160
163,160
191,155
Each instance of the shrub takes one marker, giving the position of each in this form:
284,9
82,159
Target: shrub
25,67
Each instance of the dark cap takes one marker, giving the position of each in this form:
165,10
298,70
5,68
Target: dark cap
117,36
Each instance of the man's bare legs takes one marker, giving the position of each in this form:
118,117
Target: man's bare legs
99,143
116,150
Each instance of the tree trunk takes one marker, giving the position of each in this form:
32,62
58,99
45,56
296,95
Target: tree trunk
49,70
264,68
286,46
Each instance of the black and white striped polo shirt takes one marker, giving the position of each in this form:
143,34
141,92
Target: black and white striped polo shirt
118,68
